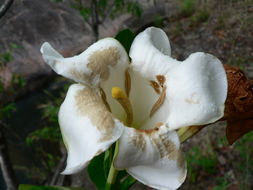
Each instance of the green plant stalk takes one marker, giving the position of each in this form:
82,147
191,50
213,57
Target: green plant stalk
187,132
112,172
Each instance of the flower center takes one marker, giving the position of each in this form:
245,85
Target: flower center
136,100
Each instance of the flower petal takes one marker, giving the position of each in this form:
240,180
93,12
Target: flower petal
196,91
150,53
153,157
91,66
87,127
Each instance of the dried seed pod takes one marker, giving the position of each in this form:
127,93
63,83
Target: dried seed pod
239,104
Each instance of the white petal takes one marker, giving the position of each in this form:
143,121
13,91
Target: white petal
91,66
150,53
152,157
87,127
196,91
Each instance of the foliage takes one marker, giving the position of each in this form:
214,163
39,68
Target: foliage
7,110
96,12
45,142
16,80
197,161
200,16
187,7
102,163
125,37
33,187
245,166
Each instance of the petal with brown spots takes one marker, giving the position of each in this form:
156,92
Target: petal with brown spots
153,157
87,126
90,67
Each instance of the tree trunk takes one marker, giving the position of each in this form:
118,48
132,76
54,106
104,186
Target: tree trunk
5,163
5,6
94,21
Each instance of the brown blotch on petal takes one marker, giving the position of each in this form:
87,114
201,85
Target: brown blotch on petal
100,61
180,160
161,79
155,86
159,124
79,75
192,99
165,147
90,104
139,141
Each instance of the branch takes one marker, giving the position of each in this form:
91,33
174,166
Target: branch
58,170
4,8
94,18
108,12
6,166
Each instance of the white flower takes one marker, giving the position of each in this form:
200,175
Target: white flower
160,95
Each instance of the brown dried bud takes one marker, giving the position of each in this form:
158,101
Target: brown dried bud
239,104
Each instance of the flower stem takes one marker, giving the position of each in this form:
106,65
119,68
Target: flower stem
112,172
187,132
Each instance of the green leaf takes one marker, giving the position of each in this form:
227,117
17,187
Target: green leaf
6,57
85,13
96,171
34,187
107,161
127,183
125,37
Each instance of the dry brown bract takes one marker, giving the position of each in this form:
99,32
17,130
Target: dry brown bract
239,104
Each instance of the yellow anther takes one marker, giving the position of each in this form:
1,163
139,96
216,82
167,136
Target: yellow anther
119,95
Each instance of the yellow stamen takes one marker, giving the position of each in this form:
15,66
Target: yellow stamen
121,97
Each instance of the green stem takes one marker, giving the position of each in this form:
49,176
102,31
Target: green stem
187,132
112,172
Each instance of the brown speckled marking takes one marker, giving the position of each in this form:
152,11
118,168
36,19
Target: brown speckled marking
159,124
161,79
139,141
158,103
192,99
90,104
100,61
79,75
165,147
180,160
155,86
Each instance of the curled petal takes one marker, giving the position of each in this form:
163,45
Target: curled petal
153,157
150,53
87,127
91,66
196,91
